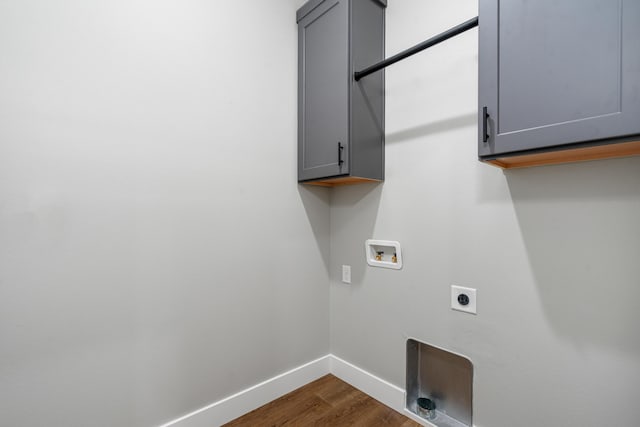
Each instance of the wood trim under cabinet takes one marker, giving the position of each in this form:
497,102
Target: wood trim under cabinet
608,151
344,180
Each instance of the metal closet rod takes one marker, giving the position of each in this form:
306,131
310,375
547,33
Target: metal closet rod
471,23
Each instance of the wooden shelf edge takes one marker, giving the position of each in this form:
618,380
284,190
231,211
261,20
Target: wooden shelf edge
599,152
344,180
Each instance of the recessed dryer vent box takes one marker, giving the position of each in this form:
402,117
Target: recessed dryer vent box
383,253
443,378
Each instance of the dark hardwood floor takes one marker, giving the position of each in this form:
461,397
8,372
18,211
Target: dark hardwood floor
328,401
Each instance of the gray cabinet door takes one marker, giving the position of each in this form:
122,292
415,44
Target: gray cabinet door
556,72
323,112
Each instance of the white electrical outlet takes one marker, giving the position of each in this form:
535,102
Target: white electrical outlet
346,273
463,299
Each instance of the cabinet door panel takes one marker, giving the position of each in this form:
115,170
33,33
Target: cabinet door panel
323,114
558,72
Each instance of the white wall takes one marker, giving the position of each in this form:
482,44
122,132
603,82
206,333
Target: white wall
553,251
156,252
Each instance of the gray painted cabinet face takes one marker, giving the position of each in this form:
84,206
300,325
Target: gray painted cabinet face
336,38
324,90
553,72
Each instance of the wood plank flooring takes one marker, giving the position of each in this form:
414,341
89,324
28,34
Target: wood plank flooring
327,401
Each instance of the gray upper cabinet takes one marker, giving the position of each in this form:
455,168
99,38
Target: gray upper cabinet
557,75
340,121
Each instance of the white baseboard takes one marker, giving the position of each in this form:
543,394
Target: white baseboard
381,390
232,407
375,387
